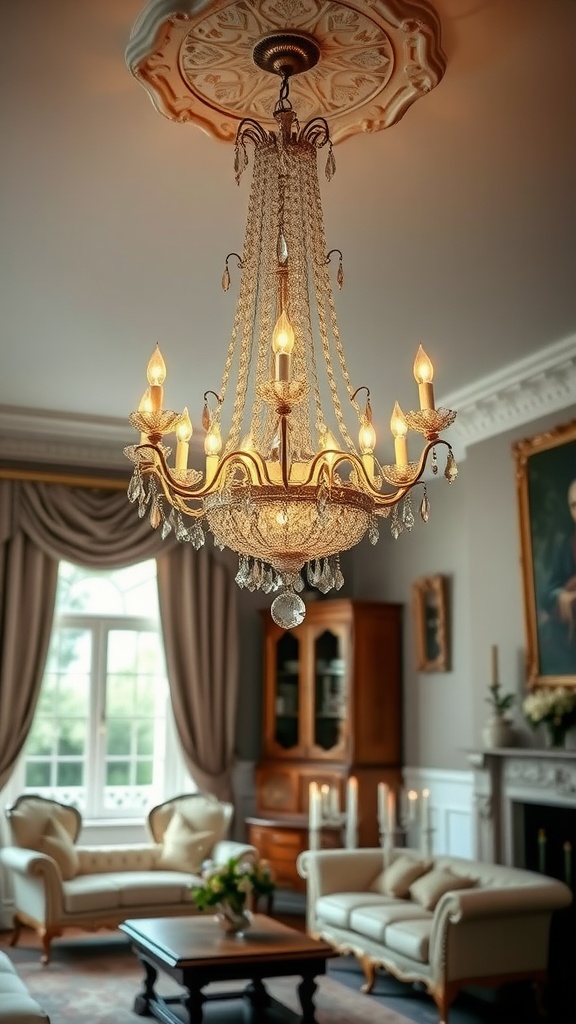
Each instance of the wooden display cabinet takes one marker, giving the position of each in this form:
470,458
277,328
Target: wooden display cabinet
332,709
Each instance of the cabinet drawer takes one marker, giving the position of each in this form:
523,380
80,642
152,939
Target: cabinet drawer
284,843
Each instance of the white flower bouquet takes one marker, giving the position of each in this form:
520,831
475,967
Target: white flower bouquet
555,707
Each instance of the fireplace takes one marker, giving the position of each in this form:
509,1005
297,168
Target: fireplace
525,808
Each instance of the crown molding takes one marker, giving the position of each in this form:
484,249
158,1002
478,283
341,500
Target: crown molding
531,388
526,390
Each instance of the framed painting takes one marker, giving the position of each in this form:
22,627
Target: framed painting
431,624
546,489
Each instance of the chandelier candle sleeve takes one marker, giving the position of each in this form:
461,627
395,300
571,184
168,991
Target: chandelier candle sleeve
412,805
399,429
183,435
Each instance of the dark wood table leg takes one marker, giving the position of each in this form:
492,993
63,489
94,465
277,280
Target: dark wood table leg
306,990
257,994
194,1004
144,999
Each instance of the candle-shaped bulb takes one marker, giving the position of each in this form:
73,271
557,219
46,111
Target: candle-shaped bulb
156,371
282,345
399,428
366,437
423,369
145,404
184,427
328,443
283,335
213,440
424,375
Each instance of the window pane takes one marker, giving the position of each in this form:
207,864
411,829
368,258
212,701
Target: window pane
130,591
144,773
118,738
118,773
70,774
144,738
37,774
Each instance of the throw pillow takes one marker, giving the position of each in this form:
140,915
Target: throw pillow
427,890
396,879
184,849
56,843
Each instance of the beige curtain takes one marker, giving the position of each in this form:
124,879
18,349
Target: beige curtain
27,596
198,612
41,523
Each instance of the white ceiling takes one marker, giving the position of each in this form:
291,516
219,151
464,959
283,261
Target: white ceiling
458,224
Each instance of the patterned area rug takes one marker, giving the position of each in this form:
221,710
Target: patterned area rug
95,981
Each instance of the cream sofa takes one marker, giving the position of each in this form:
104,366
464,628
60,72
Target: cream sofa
445,922
16,1003
59,883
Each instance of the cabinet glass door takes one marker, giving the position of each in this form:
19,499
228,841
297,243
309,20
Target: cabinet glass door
287,695
329,691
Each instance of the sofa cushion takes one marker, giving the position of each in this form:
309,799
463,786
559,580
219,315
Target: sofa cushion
87,893
337,908
56,843
410,938
184,848
374,921
16,1004
397,878
153,889
428,889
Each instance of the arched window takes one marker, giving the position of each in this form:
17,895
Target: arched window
99,736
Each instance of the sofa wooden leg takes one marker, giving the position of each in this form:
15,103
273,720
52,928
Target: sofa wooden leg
46,936
16,930
444,996
369,973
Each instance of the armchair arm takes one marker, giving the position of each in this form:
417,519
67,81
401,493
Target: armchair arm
37,883
224,849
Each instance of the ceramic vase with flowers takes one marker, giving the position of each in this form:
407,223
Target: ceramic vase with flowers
498,731
227,887
555,708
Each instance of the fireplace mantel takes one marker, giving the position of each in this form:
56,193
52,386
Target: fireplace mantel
509,776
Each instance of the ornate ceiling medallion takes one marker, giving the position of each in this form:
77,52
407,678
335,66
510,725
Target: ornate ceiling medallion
375,58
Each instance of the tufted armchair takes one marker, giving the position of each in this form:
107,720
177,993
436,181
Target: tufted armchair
59,883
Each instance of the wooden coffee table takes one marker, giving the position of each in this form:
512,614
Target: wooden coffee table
195,952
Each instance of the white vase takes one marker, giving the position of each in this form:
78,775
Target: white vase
498,732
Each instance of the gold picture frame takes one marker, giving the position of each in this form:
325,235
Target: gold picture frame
431,624
546,492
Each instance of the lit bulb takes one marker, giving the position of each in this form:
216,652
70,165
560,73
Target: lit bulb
328,442
283,335
399,429
366,437
213,441
212,447
156,373
398,424
183,435
282,345
424,375
184,427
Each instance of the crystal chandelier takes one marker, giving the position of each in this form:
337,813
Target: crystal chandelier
286,487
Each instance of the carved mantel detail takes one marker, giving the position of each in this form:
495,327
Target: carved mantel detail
504,779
